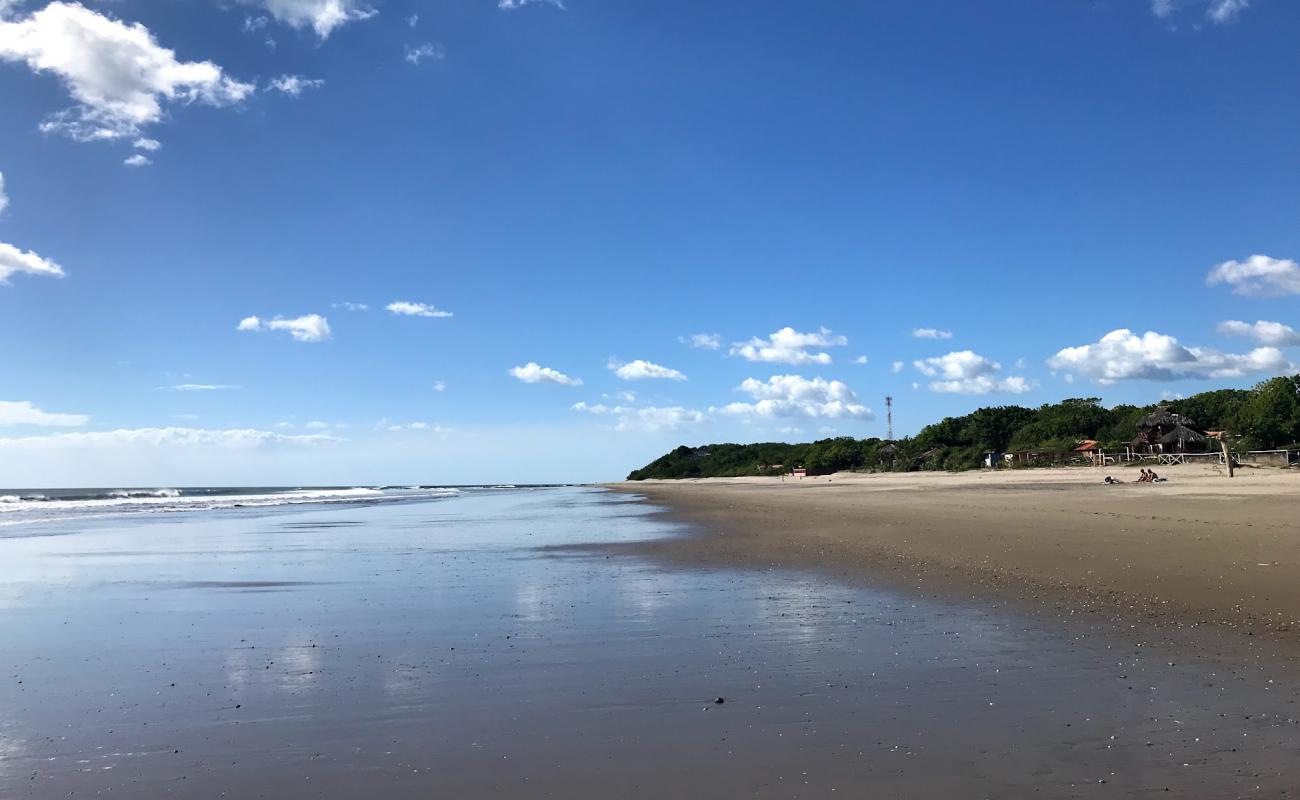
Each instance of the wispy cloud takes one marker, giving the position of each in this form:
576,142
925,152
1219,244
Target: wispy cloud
651,419
421,52
407,309
294,85
1219,12
200,387
511,5
350,306
702,341
24,413
155,438
931,333
308,328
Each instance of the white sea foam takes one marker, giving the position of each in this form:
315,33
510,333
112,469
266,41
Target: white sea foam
21,508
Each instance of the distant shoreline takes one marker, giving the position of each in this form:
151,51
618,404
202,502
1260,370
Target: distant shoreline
1201,549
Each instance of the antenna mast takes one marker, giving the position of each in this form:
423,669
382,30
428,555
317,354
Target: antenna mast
889,415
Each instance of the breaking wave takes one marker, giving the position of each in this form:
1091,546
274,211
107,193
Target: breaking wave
53,504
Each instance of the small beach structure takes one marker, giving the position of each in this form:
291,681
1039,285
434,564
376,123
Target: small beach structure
1164,432
799,472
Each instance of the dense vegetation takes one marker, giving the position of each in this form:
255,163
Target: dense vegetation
1265,417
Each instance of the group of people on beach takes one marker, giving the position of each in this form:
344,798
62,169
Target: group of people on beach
1148,476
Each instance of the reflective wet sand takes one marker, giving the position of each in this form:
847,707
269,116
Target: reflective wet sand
446,649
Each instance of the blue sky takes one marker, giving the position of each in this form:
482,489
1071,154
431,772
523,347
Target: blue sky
586,186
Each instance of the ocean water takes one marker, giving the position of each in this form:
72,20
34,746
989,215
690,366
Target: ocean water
23,506
441,647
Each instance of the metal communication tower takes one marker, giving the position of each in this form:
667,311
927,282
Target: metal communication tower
889,415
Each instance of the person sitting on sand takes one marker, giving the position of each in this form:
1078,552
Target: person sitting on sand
1154,478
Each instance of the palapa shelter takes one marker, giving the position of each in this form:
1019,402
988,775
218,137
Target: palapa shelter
1163,431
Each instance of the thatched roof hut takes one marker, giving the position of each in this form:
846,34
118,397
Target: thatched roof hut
1164,431
1163,418
1182,436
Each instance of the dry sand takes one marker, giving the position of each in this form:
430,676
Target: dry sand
1200,548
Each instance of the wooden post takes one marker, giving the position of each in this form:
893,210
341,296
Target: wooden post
1227,457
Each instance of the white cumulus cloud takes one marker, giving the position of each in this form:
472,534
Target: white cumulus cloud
532,372
967,372
1262,331
1123,355
1258,276
24,413
640,370
322,16
408,309
788,346
13,260
796,396
702,341
137,160
116,72
931,333
307,328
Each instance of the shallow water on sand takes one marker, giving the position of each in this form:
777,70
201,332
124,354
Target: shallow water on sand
432,650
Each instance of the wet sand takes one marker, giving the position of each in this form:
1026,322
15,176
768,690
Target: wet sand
540,645
1199,549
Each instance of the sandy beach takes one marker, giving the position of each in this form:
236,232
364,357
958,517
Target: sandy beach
1199,548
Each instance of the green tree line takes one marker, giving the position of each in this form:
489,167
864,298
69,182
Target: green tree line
1264,417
